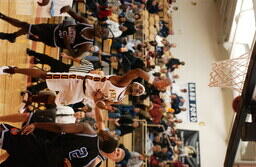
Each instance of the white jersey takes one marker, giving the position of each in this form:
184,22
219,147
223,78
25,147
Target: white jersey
111,92
74,87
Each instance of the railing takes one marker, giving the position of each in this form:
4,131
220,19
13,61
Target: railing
145,125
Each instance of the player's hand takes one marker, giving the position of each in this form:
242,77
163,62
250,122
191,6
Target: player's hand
28,129
98,95
161,83
67,163
65,9
43,2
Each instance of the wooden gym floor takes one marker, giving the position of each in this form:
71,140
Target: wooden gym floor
12,54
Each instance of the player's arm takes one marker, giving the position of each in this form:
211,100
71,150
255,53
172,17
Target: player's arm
78,60
84,48
126,79
99,104
106,105
72,13
99,119
59,128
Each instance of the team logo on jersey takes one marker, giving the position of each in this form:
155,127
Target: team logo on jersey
78,153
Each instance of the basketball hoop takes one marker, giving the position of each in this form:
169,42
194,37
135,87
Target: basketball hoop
230,73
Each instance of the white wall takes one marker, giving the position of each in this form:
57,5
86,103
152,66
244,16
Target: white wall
197,28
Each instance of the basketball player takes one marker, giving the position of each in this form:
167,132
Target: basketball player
77,144
76,38
80,145
75,86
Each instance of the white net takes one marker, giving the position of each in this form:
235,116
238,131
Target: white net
230,73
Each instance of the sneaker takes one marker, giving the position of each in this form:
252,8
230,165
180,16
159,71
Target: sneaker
11,37
6,70
2,68
2,15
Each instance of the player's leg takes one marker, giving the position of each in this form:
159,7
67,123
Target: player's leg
17,23
56,65
36,73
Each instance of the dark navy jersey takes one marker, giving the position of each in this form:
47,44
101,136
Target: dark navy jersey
31,151
74,33
80,149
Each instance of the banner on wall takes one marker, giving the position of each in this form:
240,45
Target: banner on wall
192,102
191,147
190,115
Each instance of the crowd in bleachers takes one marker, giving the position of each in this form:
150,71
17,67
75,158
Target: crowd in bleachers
139,40
136,39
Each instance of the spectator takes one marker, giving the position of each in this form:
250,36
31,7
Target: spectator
156,112
136,159
114,29
153,6
173,64
177,101
125,125
127,28
123,110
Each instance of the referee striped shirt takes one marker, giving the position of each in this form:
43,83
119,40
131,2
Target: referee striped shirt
84,67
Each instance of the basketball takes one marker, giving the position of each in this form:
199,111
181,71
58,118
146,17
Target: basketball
235,103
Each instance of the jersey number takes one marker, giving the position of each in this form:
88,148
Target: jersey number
78,153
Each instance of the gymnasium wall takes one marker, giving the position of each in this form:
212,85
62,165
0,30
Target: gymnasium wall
197,28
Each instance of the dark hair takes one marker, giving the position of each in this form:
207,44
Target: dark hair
138,15
182,63
107,142
89,108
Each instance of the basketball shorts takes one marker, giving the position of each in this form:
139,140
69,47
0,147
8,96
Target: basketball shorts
44,33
